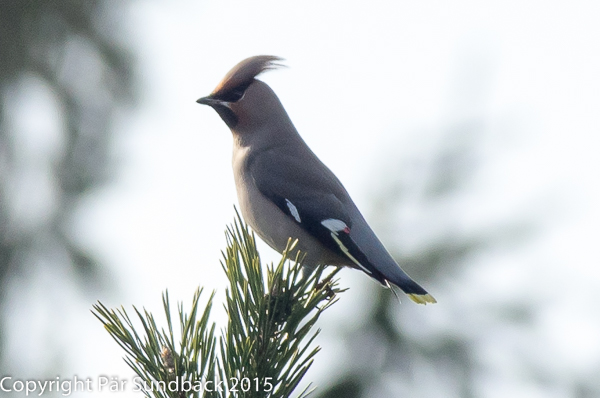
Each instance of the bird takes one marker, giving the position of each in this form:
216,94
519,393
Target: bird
285,191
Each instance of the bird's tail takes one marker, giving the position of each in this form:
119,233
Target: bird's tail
390,272
413,290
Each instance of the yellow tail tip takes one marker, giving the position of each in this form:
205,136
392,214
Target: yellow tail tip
422,298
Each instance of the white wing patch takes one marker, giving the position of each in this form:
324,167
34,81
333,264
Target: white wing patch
293,210
334,235
334,225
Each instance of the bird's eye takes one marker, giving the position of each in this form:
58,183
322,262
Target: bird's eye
235,94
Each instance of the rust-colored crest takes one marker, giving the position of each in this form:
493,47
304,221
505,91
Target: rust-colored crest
244,73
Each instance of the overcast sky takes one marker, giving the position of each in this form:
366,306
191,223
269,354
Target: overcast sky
367,81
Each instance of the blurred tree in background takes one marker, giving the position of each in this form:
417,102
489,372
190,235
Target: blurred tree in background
64,73
387,357
399,350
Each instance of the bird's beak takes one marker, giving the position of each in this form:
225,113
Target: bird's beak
212,102
205,101
223,108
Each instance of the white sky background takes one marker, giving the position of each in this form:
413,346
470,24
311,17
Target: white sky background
367,81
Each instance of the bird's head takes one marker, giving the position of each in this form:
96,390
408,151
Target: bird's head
243,102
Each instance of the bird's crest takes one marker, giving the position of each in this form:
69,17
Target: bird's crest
243,74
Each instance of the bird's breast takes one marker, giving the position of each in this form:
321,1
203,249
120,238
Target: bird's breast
258,212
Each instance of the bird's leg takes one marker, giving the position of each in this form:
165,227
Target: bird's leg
325,284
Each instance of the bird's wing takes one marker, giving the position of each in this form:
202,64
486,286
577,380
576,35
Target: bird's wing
313,198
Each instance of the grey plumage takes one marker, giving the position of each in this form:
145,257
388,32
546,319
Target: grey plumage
285,191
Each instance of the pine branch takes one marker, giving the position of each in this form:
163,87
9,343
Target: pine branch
264,351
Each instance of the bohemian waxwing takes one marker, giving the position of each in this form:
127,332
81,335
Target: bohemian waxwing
285,191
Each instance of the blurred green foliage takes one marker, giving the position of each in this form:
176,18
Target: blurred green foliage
74,52
397,357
